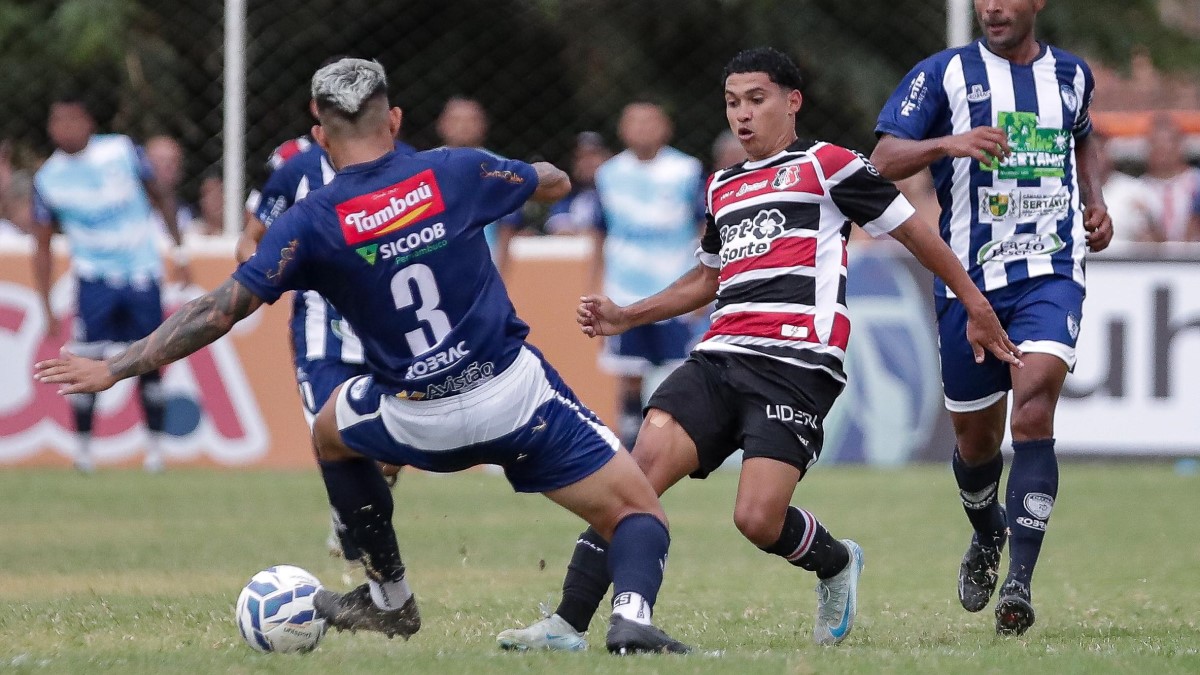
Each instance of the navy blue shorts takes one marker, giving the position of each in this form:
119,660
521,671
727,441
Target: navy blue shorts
636,350
525,419
1041,315
117,313
318,378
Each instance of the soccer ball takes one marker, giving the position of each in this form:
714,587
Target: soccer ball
275,611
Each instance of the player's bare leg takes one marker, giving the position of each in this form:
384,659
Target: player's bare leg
362,502
978,465
764,515
622,508
1032,483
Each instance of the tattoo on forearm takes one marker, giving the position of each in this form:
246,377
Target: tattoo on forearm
196,324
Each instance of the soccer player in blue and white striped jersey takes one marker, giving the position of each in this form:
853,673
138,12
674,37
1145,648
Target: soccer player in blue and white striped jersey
1003,125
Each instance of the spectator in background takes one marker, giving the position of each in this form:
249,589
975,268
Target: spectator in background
579,212
165,156
16,192
1174,183
1132,204
650,198
727,151
463,123
211,220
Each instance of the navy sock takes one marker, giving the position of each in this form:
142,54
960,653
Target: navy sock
630,421
154,403
979,488
1032,488
83,408
587,581
363,503
805,543
637,556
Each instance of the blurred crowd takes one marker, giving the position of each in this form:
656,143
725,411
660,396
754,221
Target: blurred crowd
1157,199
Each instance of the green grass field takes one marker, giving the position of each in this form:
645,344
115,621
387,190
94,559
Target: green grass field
132,573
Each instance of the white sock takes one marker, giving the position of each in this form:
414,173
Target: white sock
390,595
154,444
85,446
633,607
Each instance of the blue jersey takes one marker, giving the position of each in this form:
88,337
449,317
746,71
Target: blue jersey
1020,218
318,330
397,246
98,197
652,213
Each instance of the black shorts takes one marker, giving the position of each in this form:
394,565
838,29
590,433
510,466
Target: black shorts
767,408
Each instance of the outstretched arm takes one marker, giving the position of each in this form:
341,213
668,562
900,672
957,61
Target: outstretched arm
597,315
898,158
198,323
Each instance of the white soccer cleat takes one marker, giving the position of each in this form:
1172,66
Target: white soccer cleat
837,600
552,633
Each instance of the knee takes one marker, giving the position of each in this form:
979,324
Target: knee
758,523
327,440
1033,419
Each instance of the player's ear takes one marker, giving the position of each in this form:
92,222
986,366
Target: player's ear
318,134
395,117
794,101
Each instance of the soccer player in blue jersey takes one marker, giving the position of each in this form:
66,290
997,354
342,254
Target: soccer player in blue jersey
98,189
1003,124
396,243
325,349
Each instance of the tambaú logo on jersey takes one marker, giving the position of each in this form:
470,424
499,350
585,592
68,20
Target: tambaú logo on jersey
393,208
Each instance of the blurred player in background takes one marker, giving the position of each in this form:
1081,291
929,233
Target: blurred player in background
652,215
579,212
165,156
763,379
463,123
325,349
396,243
99,190
1003,124
1174,183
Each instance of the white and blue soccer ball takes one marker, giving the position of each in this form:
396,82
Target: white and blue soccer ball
275,611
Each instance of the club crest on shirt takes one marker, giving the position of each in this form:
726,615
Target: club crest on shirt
393,208
978,94
1069,97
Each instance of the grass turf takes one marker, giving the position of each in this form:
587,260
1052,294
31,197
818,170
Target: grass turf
126,572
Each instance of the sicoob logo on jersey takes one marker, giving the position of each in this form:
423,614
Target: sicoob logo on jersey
393,208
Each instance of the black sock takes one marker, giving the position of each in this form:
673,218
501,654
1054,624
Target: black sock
83,409
363,503
631,417
587,581
637,557
806,543
1032,489
154,402
979,488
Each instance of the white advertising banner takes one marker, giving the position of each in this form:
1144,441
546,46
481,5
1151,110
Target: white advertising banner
1136,386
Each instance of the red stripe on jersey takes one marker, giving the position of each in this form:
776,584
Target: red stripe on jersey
845,254
784,252
800,327
750,185
840,335
833,158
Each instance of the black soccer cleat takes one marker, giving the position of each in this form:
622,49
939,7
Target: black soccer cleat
979,572
1014,611
631,637
355,611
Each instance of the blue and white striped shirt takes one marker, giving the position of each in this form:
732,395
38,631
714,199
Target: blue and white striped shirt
1020,218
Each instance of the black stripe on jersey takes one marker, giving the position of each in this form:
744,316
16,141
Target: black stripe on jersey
796,215
710,241
863,196
798,150
795,288
800,354
842,289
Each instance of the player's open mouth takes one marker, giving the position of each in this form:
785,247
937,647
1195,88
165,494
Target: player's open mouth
744,134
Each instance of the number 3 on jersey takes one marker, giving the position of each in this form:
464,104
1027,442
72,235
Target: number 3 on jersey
426,299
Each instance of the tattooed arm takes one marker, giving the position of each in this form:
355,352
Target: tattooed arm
198,323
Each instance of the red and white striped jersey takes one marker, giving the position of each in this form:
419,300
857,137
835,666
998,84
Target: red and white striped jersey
777,230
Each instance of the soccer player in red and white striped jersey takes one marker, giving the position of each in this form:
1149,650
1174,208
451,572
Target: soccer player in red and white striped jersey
773,256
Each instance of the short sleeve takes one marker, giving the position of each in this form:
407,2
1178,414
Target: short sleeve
1083,118
499,185
916,105
709,253
860,193
277,265
276,197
